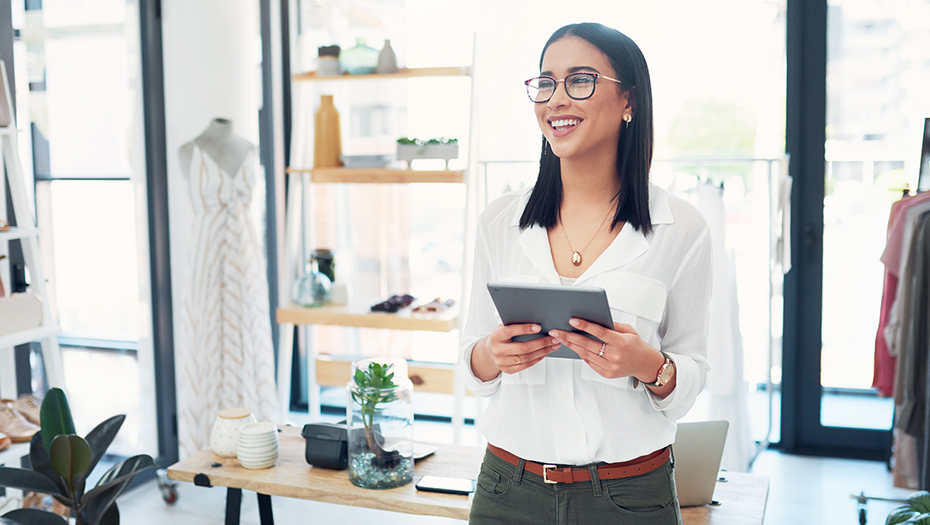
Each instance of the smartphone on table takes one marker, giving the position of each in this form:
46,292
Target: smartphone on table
446,485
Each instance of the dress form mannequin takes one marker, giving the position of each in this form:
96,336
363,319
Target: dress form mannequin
219,142
224,353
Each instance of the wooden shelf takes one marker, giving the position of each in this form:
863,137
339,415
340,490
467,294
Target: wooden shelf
25,336
18,233
379,175
11,456
403,73
360,316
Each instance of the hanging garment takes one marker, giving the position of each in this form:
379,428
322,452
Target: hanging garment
726,390
912,411
883,366
226,357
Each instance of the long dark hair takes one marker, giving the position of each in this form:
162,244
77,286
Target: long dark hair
634,148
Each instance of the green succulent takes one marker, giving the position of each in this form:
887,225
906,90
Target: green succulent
375,386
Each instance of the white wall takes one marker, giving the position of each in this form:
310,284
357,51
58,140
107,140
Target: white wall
212,64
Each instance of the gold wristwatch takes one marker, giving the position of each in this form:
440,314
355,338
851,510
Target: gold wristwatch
665,372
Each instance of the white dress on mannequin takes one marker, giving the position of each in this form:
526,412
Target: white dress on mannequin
225,355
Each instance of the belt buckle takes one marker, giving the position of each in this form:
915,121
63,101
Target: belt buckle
546,469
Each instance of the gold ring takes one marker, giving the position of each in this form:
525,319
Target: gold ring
601,353
516,359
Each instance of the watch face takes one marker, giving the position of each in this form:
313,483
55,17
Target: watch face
666,374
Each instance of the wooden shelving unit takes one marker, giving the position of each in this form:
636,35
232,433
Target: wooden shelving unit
360,316
379,175
402,74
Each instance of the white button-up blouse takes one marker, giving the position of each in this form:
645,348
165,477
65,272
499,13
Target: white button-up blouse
560,410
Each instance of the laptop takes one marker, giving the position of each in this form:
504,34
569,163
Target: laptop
698,449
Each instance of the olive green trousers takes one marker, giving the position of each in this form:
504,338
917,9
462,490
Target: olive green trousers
506,495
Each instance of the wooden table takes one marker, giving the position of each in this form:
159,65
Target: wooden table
742,498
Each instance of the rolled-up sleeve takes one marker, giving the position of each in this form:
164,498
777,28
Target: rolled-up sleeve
683,331
481,318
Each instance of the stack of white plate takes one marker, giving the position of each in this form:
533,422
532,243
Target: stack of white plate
258,445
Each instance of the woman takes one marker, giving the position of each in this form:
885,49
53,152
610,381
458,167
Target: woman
587,441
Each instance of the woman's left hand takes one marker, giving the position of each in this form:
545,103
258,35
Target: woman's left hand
623,352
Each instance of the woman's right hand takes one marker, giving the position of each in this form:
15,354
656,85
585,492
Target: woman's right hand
497,352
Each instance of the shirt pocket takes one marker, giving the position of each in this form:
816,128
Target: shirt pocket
536,374
637,301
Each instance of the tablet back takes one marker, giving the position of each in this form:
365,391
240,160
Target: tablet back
550,306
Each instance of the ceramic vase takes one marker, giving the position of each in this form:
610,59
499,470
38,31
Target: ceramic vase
224,437
380,427
313,288
387,60
327,139
360,59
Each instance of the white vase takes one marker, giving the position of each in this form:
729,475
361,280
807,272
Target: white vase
224,438
387,60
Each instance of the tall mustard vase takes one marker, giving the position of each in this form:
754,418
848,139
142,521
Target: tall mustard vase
327,142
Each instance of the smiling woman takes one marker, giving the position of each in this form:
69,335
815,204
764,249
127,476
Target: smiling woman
615,413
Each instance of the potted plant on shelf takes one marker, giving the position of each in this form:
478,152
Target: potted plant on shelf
61,462
410,149
380,424
915,512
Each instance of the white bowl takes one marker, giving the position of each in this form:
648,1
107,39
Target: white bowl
258,430
259,465
273,453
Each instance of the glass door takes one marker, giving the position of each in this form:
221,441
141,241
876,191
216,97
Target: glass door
868,98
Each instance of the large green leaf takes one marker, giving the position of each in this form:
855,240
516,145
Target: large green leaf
920,501
99,440
55,416
38,459
24,479
70,457
100,510
31,517
122,471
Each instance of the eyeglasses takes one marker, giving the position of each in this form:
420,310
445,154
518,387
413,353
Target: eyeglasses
578,86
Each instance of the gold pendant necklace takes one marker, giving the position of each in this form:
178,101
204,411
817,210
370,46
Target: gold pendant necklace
576,255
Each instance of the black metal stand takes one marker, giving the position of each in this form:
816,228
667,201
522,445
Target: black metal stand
233,505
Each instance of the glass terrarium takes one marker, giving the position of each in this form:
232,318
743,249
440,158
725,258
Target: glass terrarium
379,412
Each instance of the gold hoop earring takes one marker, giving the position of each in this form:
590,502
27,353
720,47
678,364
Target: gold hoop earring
627,118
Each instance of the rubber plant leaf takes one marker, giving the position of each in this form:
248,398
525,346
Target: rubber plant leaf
102,509
39,461
920,501
122,471
31,517
55,416
99,440
70,457
26,480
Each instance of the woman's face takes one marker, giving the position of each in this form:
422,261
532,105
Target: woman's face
581,127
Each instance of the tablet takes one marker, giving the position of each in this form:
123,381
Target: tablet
550,307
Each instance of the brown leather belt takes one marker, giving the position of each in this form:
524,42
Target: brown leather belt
557,474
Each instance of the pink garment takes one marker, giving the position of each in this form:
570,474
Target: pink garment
892,254
883,373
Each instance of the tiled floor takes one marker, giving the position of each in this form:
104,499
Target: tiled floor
803,490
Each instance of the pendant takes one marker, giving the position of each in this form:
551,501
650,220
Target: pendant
576,258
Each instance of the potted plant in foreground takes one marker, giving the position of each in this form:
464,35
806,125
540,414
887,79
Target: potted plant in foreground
380,424
61,462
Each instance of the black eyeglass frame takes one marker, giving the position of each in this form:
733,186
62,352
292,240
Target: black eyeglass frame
556,81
